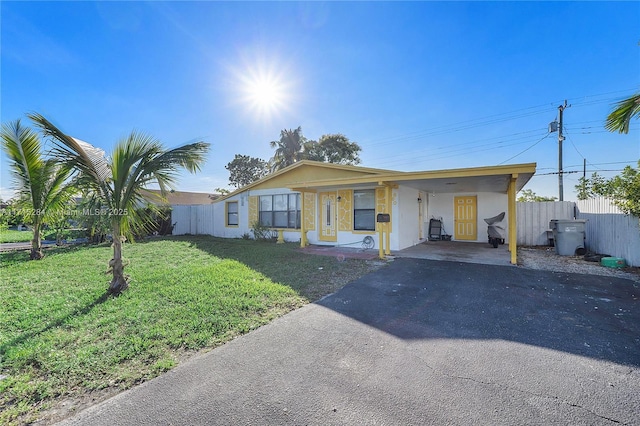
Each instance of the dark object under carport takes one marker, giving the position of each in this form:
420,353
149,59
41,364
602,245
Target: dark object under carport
435,230
568,236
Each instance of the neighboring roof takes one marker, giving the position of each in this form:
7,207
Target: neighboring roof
180,197
313,175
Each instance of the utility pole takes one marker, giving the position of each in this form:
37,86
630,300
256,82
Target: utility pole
561,109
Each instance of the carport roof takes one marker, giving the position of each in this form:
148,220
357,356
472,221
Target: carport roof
475,179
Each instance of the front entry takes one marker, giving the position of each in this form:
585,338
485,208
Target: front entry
465,217
328,216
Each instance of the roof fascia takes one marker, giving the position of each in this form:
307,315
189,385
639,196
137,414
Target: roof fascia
300,164
429,174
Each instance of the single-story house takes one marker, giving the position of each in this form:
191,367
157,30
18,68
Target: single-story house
329,204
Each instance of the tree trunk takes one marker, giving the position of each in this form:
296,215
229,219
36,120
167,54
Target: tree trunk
119,281
36,245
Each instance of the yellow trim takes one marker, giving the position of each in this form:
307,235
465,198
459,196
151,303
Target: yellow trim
303,233
344,208
226,214
395,177
298,164
513,229
381,204
310,211
253,210
387,225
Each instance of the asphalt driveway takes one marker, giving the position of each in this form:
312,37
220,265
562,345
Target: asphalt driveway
417,342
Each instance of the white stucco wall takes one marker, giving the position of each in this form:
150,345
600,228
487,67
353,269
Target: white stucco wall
406,222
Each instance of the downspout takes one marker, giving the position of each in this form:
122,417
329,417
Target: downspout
513,229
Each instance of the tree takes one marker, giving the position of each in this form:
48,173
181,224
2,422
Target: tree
222,191
528,196
117,182
244,170
620,118
43,187
623,189
289,149
334,148
595,186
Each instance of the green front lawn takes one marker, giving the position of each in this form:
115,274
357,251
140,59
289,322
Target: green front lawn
61,339
13,236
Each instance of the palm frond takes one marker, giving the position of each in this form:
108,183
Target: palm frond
620,118
23,147
84,157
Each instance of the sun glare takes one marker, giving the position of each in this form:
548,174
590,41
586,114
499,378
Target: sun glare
264,90
265,94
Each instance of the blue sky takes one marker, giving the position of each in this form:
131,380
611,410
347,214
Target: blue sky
419,85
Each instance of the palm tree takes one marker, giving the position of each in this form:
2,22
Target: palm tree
118,182
42,183
620,118
289,149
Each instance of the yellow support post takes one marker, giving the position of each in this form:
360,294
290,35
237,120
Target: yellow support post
303,234
387,241
280,237
380,241
513,236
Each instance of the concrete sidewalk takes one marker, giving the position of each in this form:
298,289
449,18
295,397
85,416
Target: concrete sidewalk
418,342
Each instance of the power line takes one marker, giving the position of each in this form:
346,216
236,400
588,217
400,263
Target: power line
469,147
578,171
522,152
447,151
491,119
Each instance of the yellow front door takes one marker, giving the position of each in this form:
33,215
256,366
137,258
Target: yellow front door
465,218
328,216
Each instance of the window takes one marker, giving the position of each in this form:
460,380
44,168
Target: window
232,213
280,211
364,210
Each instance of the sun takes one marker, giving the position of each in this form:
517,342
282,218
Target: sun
263,88
265,94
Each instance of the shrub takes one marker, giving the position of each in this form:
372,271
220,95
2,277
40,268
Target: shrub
262,232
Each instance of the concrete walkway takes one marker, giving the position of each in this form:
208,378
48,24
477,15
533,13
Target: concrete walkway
418,342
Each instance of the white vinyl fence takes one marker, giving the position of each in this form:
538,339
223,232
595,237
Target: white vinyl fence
194,220
533,220
607,231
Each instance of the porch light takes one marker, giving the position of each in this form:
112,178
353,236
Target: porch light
339,198
419,200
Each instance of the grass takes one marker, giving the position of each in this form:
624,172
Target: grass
13,236
62,339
